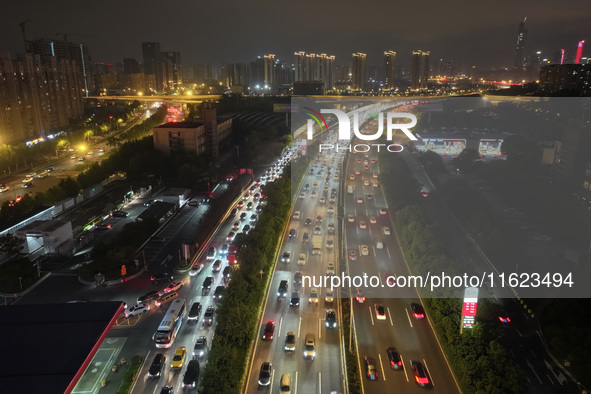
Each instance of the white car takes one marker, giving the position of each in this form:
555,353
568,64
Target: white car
302,259
296,215
379,245
136,310
328,296
366,183
173,286
196,269
380,312
386,230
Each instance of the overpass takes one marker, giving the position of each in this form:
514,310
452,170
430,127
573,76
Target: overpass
169,99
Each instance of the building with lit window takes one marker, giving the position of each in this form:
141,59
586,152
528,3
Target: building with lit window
389,69
358,71
419,73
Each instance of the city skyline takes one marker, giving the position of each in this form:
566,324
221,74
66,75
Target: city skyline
486,36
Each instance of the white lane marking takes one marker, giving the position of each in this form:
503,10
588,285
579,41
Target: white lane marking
382,366
299,326
371,315
272,376
390,316
319,328
388,250
404,369
429,372
319,382
280,324
295,386
407,315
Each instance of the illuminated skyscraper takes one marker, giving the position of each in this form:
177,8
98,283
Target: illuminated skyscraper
389,71
269,70
312,67
520,59
358,77
419,73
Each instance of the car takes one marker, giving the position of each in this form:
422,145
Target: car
359,200
375,184
173,286
195,203
352,177
297,278
290,342
265,374
218,292
296,215
253,217
308,222
352,254
168,389
269,330
293,233
27,185
372,161
206,286
374,175
208,316
366,167
191,375
319,218
394,358
230,236
417,310
81,158
286,258
158,238
332,199
362,224
240,204
364,250
382,211
302,259
328,296
330,243
313,296
306,237
216,266
366,183
4,187
351,218
227,272
73,157
322,200
373,219
310,346
357,172
317,230
295,299
302,196
330,228
178,360
283,288
256,196
49,169
138,309
211,253
158,363
380,312
231,257
246,229
370,368
148,298
119,214
160,277
307,187
331,319
503,317
28,178
313,194
195,312
379,245
386,230
330,269
243,216
420,373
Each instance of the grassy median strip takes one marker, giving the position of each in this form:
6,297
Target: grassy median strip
131,375
479,362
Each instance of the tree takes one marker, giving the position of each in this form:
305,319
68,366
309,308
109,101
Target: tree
9,244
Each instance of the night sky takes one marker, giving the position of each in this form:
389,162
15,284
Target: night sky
237,31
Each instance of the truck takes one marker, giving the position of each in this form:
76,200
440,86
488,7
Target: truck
316,244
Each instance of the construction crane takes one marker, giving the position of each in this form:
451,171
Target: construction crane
71,34
22,25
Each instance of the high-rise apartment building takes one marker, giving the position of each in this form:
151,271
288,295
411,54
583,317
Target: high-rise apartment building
520,56
37,96
310,67
65,50
419,73
269,70
389,69
130,66
358,71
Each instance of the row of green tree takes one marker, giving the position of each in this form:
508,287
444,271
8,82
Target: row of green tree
479,362
238,313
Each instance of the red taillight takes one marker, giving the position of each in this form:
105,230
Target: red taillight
400,363
424,380
508,320
392,363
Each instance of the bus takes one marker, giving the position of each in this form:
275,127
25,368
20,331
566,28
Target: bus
170,324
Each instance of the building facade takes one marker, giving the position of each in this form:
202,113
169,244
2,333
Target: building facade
389,69
419,75
358,71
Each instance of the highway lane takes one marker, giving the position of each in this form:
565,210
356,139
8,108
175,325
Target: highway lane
325,373
413,338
